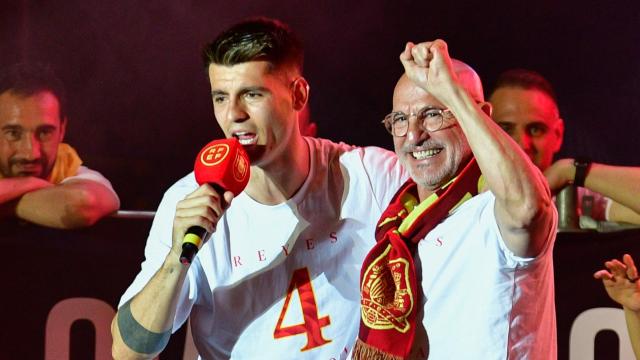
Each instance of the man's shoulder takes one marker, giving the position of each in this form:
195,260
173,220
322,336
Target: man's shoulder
326,146
85,173
180,188
339,150
476,203
184,185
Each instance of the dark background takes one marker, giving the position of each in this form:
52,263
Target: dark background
140,107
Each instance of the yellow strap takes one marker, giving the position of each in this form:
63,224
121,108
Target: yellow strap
192,239
67,164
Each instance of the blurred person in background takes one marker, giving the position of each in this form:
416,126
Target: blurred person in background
525,106
42,179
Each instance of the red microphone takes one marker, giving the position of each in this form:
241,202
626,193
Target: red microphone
224,165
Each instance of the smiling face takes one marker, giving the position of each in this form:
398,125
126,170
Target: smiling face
30,132
254,103
531,118
431,158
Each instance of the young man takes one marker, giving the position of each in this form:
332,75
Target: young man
42,180
278,278
525,106
483,285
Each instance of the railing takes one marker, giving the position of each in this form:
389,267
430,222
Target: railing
62,287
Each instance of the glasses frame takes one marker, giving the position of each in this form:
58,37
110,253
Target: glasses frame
388,122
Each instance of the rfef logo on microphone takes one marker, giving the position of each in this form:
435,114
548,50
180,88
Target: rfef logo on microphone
224,163
240,167
214,154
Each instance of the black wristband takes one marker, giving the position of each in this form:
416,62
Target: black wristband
582,165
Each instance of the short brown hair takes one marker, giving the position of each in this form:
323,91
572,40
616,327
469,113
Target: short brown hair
254,40
26,80
525,79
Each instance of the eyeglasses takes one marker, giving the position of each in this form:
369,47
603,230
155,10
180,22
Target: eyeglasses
432,119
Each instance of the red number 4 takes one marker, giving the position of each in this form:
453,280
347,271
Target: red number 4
313,324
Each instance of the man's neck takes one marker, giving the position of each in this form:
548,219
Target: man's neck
424,192
281,179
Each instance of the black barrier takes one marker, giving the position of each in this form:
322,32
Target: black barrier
577,255
52,278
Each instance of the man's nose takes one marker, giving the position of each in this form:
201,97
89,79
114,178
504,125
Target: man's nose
237,112
415,130
523,139
29,147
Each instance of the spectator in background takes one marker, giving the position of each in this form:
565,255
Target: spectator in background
620,280
525,106
42,179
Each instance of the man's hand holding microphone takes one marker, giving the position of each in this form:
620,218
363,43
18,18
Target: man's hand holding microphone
222,171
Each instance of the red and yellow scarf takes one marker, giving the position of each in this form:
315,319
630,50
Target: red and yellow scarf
388,281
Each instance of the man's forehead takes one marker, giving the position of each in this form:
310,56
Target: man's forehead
42,107
523,103
244,73
408,96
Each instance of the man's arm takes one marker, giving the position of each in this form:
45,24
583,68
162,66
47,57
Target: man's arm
620,280
524,211
633,327
71,204
142,326
619,183
15,187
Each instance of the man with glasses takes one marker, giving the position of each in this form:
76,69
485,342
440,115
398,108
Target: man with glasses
525,106
481,285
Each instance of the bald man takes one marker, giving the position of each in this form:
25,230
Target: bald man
483,288
525,106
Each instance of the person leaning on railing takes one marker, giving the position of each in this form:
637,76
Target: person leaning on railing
42,179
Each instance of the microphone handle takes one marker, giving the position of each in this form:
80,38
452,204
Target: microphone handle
191,243
195,234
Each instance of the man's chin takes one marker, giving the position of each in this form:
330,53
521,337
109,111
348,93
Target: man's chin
29,172
431,180
37,174
255,153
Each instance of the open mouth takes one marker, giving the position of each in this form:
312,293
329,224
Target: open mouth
246,138
425,154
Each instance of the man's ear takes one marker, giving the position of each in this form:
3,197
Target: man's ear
558,131
300,93
63,128
486,107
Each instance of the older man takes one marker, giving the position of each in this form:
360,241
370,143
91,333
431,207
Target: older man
525,106
42,180
483,285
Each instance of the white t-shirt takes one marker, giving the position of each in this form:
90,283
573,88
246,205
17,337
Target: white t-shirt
84,173
282,282
480,300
